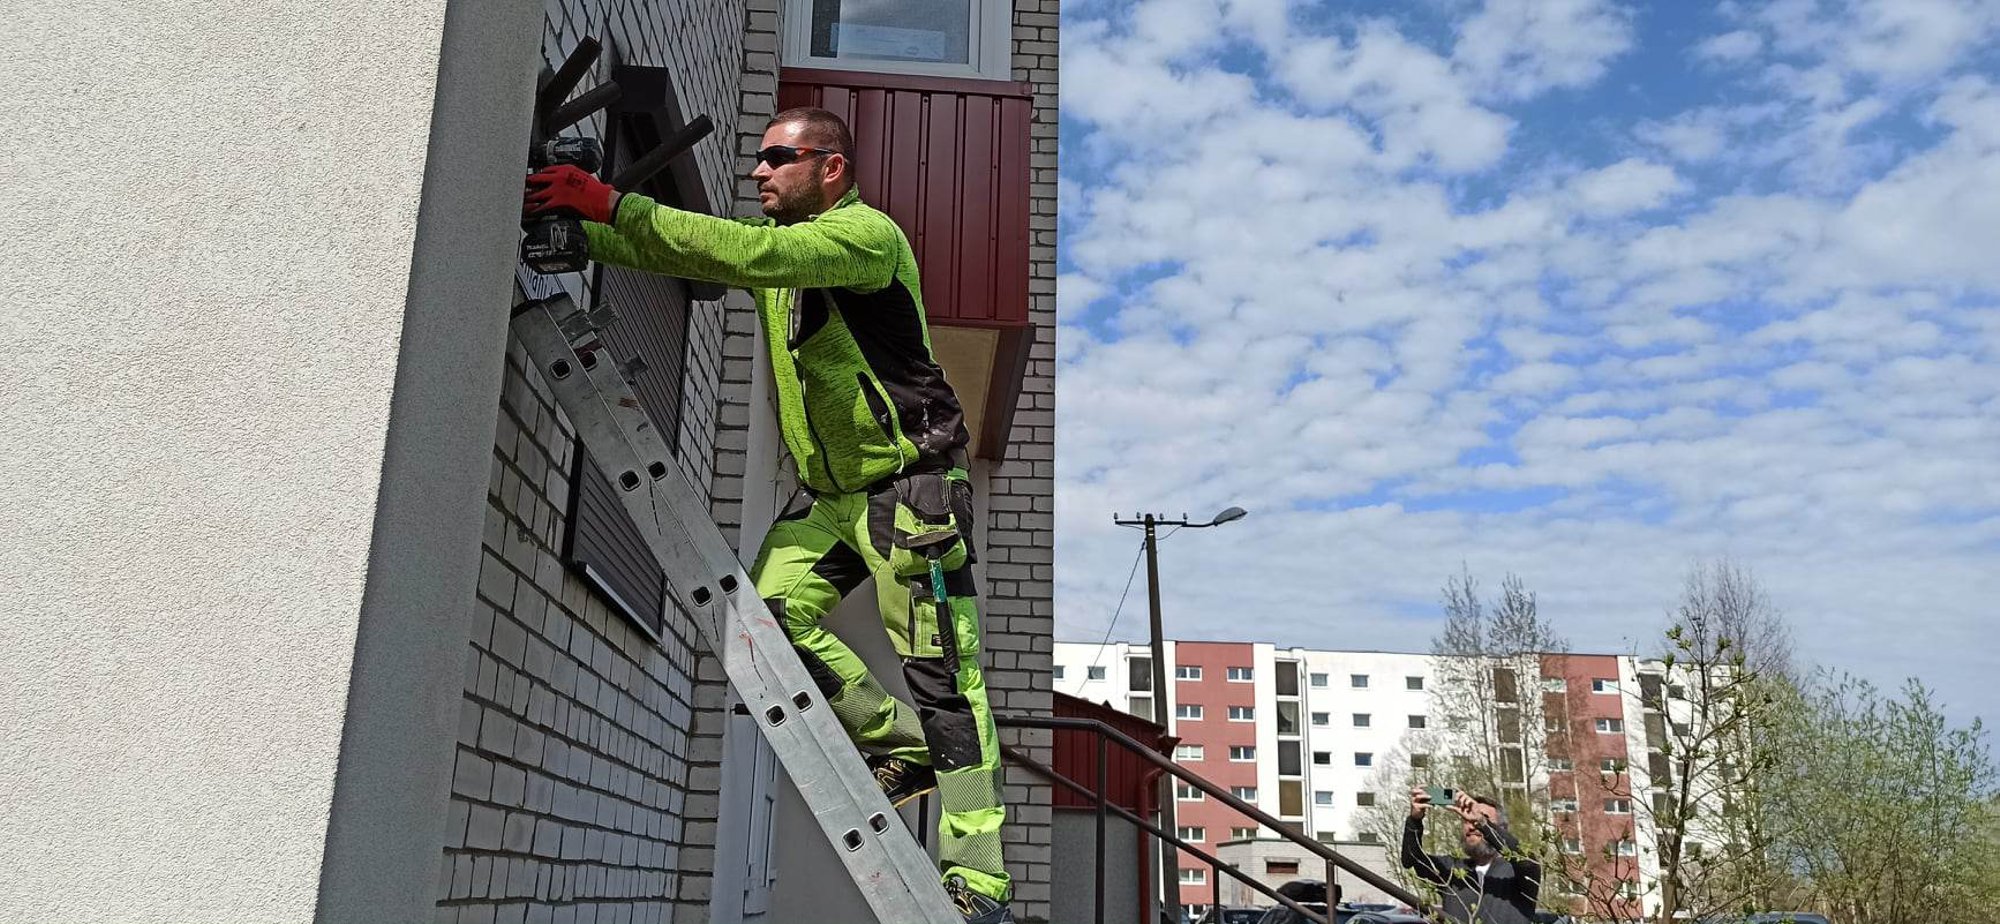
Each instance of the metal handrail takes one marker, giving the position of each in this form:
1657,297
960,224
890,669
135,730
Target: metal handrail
1311,845
1156,831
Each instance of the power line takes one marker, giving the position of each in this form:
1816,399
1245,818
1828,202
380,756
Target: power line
1114,613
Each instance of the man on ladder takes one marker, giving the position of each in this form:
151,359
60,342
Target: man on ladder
879,441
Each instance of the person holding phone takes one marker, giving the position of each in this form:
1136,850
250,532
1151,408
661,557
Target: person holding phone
1493,883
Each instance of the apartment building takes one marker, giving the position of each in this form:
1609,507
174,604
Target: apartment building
1328,741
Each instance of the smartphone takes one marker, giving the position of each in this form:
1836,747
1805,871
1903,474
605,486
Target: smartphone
1441,795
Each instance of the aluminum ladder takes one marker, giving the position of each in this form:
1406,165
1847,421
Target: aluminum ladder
896,876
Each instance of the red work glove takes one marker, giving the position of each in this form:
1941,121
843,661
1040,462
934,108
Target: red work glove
571,192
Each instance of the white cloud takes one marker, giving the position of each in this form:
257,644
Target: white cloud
1730,47
1515,49
1627,186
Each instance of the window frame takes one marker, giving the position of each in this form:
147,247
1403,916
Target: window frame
1187,672
989,45
1357,681
1243,713
1096,672
1188,712
1240,674
1248,753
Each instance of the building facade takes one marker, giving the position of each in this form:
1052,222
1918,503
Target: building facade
387,648
1329,742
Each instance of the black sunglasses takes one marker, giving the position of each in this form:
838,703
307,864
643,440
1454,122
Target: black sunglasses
778,155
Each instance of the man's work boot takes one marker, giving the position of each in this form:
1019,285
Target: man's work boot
902,780
977,908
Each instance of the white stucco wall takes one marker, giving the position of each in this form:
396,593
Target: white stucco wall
260,283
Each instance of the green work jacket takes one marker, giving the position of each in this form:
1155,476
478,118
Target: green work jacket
860,398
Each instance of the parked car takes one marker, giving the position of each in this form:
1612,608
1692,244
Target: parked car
1386,917
1230,914
1345,911
1310,893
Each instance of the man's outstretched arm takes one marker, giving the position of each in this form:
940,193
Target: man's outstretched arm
839,248
1426,866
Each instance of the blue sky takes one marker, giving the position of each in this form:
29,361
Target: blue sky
1586,291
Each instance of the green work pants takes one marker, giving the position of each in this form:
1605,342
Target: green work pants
823,546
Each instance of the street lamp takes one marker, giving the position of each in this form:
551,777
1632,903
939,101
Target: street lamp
1170,888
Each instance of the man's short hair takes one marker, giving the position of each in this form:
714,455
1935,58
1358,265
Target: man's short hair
820,128
1500,811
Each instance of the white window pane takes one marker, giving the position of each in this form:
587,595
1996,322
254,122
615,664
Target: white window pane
928,31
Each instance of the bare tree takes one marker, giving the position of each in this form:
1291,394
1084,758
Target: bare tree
1709,704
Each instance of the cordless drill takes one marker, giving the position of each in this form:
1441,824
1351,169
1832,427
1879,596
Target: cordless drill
555,241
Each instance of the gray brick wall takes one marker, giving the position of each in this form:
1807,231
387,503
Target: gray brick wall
1020,538
579,793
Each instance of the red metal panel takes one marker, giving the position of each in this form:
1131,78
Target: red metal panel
948,160
1129,779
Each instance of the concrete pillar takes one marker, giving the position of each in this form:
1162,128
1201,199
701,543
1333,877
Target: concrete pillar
256,307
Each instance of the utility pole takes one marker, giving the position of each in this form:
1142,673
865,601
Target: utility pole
1169,865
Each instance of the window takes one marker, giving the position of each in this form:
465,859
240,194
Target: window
1288,759
1246,793
1358,681
1187,672
1512,769
1364,799
1571,845
1141,706
1626,847
1368,837
1281,867
1503,685
1292,800
1611,765
1676,691
1188,711
1241,753
1604,685
1139,675
1322,758
1554,685
1240,675
1562,805
1364,759
1192,835
1059,672
1318,680
1417,721
1420,761
1288,718
1411,683
1361,720
966,38
1184,792
1094,672
1194,877
1242,714
1628,889
1242,834
1617,806
1561,763
1187,752
1322,718
1611,726
1287,681
1322,797
1509,725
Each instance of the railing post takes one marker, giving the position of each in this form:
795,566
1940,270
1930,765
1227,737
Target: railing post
1215,893
1103,775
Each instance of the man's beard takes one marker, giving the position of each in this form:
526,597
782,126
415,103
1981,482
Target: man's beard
799,204
1480,851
